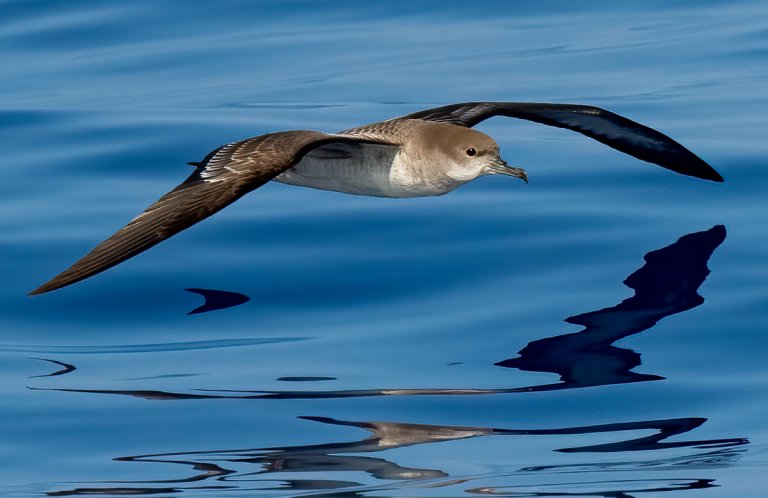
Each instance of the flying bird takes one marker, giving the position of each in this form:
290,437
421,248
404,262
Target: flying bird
426,153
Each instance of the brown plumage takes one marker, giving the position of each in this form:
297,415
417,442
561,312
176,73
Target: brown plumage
426,153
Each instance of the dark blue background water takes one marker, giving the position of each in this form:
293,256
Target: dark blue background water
370,315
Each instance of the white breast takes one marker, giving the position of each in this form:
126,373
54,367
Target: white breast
363,169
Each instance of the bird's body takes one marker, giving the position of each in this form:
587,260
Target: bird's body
427,153
395,167
362,169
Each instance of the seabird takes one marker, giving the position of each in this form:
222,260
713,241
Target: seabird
431,152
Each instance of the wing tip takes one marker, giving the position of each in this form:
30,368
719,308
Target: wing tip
55,283
46,287
710,175
701,169
71,275
715,177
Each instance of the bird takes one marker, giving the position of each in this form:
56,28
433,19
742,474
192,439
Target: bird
426,153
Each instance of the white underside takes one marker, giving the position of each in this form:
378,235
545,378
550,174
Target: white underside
362,169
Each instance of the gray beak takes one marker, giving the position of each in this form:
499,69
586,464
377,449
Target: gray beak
500,167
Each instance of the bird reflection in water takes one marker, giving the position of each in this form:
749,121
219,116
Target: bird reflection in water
667,284
217,300
343,457
619,489
66,368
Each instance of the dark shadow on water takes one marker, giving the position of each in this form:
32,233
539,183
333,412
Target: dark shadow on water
667,284
272,462
67,368
305,379
217,300
114,491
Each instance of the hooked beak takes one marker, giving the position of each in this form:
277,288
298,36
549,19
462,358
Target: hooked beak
500,167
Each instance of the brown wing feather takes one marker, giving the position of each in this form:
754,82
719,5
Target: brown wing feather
220,179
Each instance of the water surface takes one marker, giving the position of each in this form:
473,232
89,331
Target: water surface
597,332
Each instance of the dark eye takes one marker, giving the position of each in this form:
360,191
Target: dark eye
471,151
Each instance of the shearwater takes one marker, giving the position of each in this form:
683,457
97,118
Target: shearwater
431,152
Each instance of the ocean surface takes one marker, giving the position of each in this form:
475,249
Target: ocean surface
598,332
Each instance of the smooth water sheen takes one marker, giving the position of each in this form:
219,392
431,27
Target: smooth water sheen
597,332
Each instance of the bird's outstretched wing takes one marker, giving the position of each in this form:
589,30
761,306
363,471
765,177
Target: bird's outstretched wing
224,176
604,126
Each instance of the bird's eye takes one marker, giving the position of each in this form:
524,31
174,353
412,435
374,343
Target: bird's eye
471,151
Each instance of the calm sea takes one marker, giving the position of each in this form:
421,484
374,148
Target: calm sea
599,332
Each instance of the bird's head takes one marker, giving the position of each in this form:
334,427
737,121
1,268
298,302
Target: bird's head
469,154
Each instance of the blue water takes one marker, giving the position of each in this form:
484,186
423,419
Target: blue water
597,332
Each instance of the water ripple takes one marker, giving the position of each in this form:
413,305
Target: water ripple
148,348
